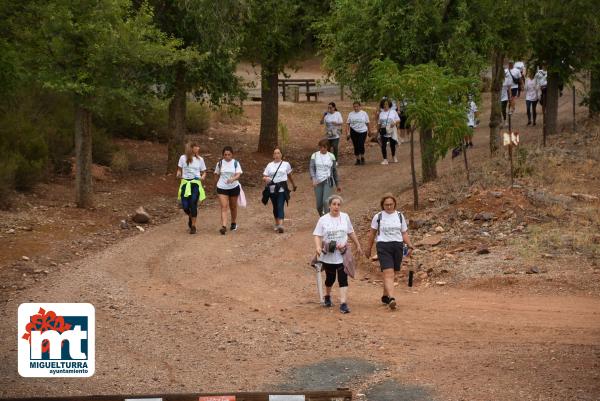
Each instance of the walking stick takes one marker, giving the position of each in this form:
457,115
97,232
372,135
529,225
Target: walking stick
318,268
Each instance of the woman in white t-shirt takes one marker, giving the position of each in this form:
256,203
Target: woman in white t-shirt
228,171
331,238
531,97
276,177
323,173
387,122
389,228
192,171
333,121
358,128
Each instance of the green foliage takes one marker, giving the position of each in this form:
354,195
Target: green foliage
198,117
565,35
120,162
104,148
437,99
523,167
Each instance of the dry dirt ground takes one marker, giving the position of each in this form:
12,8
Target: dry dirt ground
181,313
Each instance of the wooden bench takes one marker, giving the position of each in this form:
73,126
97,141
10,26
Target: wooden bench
306,83
310,94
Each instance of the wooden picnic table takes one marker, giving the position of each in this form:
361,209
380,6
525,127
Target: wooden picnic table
307,83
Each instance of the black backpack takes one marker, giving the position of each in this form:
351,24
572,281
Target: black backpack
379,220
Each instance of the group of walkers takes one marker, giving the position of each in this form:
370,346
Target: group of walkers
334,228
518,80
389,230
391,128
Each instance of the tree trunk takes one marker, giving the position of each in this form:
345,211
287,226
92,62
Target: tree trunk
496,108
83,157
428,160
269,110
467,164
413,172
177,128
551,113
595,91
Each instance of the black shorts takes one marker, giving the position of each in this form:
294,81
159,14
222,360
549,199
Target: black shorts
390,255
514,91
229,192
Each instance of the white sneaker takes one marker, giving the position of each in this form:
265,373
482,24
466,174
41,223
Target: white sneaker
384,161
395,159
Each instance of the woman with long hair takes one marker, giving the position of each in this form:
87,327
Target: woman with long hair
358,128
387,122
191,169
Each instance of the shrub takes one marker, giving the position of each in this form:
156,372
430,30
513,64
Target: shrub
102,147
197,117
120,162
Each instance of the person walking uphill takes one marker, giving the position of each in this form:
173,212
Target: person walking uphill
333,121
389,229
192,171
323,172
276,177
228,187
331,244
387,122
358,128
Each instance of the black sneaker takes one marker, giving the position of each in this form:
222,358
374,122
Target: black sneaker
357,163
233,227
385,299
362,161
327,301
223,230
344,308
528,122
190,222
193,230
392,303
280,229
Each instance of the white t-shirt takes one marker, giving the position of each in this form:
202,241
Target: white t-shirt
387,117
471,114
541,77
515,73
505,87
390,227
192,170
333,131
358,120
520,66
334,229
323,163
531,89
226,171
282,172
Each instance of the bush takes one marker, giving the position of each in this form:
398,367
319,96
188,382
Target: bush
102,147
120,162
197,117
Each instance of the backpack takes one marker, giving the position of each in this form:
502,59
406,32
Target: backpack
379,220
235,164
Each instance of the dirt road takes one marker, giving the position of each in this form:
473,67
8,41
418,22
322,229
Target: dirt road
238,312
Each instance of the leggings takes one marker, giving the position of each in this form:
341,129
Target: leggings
384,141
322,193
358,140
504,104
330,273
278,201
531,104
190,203
334,144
